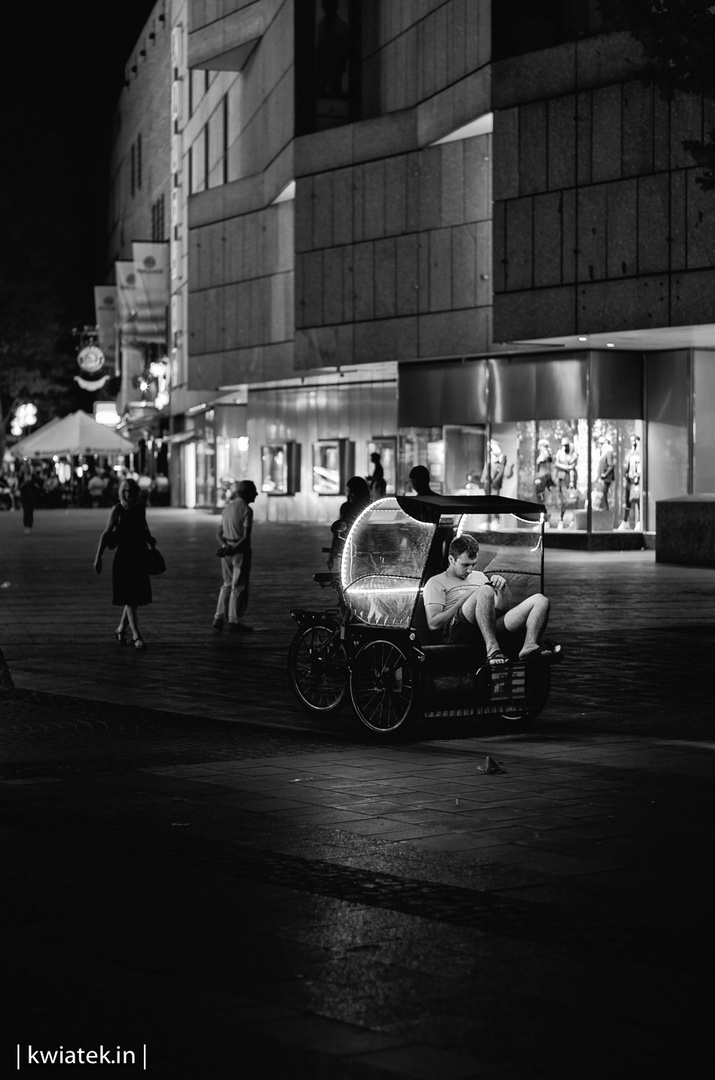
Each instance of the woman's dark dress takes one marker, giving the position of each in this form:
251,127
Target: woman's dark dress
131,583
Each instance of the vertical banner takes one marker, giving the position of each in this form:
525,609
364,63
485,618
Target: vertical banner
151,275
132,365
126,301
105,308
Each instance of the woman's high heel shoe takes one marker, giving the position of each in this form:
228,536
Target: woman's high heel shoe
139,642
120,636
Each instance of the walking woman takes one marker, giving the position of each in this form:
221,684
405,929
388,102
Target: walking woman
127,530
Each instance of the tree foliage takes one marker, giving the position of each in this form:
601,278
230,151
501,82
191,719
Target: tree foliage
678,42
35,362
37,355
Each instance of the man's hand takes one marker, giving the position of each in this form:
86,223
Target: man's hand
98,565
498,582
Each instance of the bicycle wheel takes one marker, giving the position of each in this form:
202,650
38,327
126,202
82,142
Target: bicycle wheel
318,669
384,686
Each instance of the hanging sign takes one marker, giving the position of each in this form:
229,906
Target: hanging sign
91,359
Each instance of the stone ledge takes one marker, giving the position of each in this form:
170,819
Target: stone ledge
685,530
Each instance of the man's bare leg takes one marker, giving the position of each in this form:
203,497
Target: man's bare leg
531,615
480,609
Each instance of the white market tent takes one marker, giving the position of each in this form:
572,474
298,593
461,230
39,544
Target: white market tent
78,433
22,447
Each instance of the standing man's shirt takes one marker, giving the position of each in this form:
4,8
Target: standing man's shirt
236,523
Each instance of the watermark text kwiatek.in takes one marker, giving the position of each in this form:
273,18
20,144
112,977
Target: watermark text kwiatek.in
30,1055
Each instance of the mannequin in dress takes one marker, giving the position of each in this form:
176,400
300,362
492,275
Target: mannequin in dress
494,467
632,476
565,474
543,480
606,470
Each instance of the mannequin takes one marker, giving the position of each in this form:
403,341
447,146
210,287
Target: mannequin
494,467
632,475
543,480
565,474
606,471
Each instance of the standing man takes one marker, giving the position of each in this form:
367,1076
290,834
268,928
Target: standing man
234,536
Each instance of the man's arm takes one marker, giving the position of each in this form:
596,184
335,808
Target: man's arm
438,616
437,612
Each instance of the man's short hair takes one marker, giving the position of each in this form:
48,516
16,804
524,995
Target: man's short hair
420,473
246,487
464,544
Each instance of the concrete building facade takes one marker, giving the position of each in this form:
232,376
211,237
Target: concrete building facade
445,230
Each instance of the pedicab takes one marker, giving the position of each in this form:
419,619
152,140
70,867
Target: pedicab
375,648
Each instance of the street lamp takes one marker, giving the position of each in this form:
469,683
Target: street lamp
25,417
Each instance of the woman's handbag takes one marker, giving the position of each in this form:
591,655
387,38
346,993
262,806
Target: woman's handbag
155,561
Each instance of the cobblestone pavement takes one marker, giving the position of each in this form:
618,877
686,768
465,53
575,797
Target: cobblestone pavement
273,897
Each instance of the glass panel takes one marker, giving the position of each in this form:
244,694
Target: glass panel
517,553
422,446
552,469
205,476
231,465
704,429
383,561
386,451
463,452
668,390
332,68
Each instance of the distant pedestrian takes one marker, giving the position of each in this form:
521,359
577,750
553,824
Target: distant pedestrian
376,480
420,480
358,498
97,486
234,536
128,532
30,491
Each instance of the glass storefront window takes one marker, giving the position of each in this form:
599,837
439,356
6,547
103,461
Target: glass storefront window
231,465
205,474
552,468
422,446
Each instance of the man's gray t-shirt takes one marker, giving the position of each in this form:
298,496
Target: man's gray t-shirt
444,589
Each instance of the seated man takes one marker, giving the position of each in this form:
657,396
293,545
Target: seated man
462,599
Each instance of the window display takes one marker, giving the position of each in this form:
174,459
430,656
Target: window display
274,469
333,461
279,468
632,473
566,479
422,446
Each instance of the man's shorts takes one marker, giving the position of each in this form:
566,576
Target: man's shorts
461,632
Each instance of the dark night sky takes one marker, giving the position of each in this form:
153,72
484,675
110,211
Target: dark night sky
61,74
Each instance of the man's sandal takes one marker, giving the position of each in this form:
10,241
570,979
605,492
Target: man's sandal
497,658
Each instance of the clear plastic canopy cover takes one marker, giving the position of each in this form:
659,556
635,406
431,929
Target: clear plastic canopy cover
386,556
